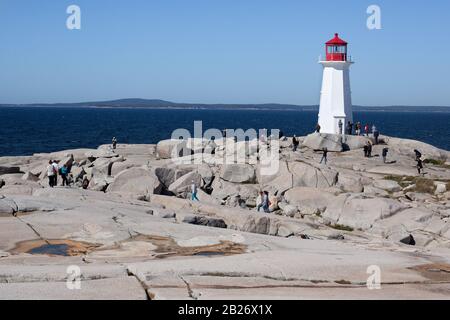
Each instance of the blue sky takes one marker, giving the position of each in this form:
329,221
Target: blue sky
221,51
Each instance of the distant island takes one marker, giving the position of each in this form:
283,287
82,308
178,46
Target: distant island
162,104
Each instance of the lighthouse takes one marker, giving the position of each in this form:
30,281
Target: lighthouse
335,97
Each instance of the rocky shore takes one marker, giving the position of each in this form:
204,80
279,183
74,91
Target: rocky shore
134,233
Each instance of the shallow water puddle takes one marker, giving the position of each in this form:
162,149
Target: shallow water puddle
66,248
163,247
167,247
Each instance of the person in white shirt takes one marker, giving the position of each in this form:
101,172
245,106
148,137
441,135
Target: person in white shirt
56,169
51,174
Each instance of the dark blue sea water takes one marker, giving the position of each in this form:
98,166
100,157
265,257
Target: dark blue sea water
28,130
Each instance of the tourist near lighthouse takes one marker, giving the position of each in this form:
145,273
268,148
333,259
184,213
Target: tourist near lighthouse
335,97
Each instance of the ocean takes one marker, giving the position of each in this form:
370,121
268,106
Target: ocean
28,130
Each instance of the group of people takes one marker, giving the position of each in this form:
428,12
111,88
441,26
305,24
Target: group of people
53,170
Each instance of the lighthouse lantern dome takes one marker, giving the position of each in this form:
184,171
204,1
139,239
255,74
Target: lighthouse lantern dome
336,49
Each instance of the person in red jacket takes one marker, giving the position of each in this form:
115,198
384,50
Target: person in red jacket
366,129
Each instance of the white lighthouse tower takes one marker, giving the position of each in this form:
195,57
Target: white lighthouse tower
335,98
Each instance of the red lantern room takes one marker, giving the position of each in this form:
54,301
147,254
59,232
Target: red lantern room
336,49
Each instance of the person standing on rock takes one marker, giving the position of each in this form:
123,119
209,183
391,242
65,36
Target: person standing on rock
340,125
369,149
366,129
384,154
349,128
64,173
376,134
358,128
51,174
366,149
85,183
194,191
114,143
317,128
266,202
324,155
261,199
419,165
294,143
56,171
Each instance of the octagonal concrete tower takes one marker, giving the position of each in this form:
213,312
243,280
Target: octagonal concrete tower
335,96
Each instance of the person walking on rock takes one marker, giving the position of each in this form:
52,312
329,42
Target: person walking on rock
366,149
114,143
51,174
418,154
419,166
384,154
295,143
324,155
194,191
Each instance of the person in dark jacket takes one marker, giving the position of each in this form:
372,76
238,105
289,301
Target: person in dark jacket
295,143
419,165
384,154
324,155
349,128
376,135
418,154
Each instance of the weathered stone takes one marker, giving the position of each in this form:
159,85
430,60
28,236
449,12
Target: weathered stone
9,170
183,184
137,182
318,141
388,185
238,173
168,149
360,212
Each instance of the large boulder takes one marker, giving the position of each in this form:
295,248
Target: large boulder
100,153
388,185
350,183
172,148
360,212
309,199
136,182
305,175
355,142
238,173
297,174
7,207
318,141
223,189
9,170
183,184
407,146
